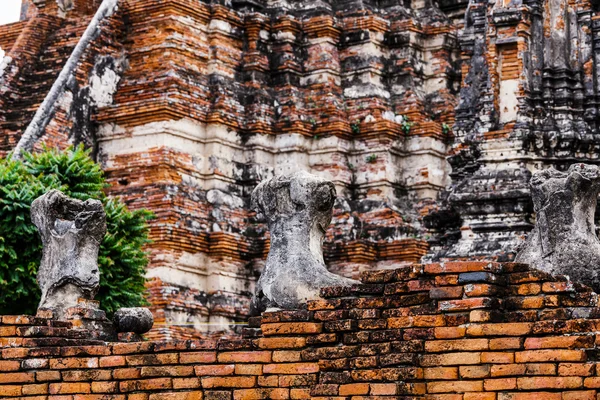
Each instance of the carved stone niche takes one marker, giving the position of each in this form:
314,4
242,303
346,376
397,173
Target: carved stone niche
71,232
564,240
298,209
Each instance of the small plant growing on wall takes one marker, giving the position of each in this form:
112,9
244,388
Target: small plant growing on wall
355,126
406,125
371,158
446,128
122,260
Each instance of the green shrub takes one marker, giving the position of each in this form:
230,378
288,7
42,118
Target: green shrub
122,260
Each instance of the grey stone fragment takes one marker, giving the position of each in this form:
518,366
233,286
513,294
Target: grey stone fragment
564,241
298,209
71,232
136,319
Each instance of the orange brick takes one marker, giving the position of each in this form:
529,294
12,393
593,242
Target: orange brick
47,376
429,360
579,395
214,370
138,396
498,358
6,366
592,383
436,346
441,373
186,383
549,382
126,373
480,396
474,371
152,359
298,394
500,384
249,369
11,390
576,369
507,370
454,386
444,397
383,389
171,370
452,332
480,290
73,363
558,287
16,377
530,396
354,389
506,343
286,328
528,289
549,355
69,388
229,382
500,329
8,330
204,357
254,394
559,342
480,316
291,368
35,389
105,387
286,356
195,395
281,343
111,361
540,369
244,357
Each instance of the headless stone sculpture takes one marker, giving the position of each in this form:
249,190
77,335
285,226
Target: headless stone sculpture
71,232
564,240
298,209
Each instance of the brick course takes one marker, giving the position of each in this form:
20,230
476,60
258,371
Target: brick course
390,337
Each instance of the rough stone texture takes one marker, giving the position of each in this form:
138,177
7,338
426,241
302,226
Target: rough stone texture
298,209
71,232
136,319
564,239
528,102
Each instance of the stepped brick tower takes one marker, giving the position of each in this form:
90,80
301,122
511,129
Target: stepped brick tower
188,104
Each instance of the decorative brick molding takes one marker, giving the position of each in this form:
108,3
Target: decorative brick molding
453,331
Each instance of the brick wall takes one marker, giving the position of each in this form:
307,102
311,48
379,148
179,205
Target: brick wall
453,331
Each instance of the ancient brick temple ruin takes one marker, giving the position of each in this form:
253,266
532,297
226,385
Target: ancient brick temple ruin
189,104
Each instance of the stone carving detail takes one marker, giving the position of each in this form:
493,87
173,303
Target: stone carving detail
136,319
564,240
71,232
298,209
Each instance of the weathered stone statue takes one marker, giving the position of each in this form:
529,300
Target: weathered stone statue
71,232
298,209
564,240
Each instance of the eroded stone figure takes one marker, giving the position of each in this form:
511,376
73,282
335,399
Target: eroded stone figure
298,209
564,239
71,232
